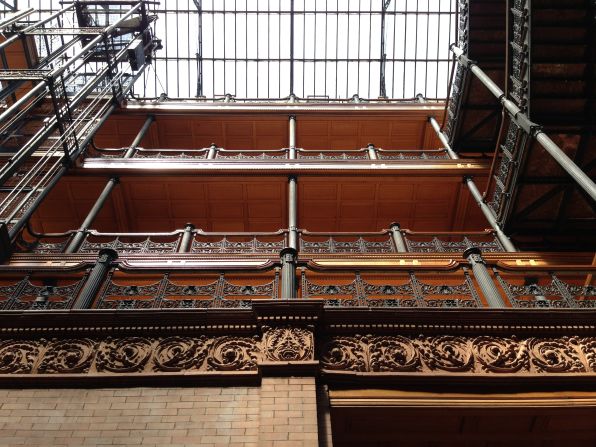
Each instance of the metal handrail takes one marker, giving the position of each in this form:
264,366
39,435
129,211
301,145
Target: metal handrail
531,128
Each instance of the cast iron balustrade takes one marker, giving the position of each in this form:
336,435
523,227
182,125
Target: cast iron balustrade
204,242
564,287
219,293
548,289
303,155
398,290
26,294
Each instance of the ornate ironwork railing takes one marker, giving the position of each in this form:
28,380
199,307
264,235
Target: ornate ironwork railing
409,290
548,289
571,287
215,153
203,242
25,294
166,293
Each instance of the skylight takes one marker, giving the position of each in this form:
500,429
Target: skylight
317,49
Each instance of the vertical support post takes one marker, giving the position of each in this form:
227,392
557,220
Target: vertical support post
288,258
398,238
293,212
487,285
212,152
133,147
95,279
187,237
292,138
372,152
81,233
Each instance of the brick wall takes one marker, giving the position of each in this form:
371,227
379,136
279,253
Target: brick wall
282,413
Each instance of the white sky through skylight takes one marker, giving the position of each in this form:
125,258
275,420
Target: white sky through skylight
245,48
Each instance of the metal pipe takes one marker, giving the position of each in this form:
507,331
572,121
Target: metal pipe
443,138
372,152
34,26
503,239
292,137
293,212
531,128
398,238
9,19
483,278
288,258
187,237
95,279
79,237
133,147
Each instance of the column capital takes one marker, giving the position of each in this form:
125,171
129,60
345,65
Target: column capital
106,256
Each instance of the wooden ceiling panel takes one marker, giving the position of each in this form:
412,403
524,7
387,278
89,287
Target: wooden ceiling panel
391,211
267,209
358,191
239,128
191,209
247,131
255,203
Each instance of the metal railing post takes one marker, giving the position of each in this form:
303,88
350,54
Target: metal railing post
293,212
95,279
212,152
292,137
483,278
398,238
372,152
288,258
187,237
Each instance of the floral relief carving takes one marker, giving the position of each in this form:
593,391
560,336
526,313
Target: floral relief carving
588,346
288,344
447,353
17,357
440,354
393,354
68,356
501,355
555,355
128,354
344,353
180,353
233,354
